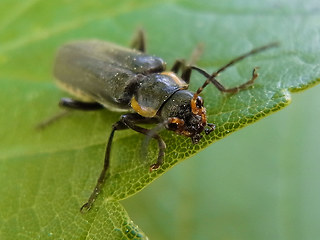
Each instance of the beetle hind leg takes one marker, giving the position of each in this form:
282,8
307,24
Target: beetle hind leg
79,105
86,207
69,104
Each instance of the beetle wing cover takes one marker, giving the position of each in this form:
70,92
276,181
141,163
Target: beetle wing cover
102,71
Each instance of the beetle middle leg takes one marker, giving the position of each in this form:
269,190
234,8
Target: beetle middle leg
139,42
180,64
185,66
127,121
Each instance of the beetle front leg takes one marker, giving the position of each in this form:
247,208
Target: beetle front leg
186,66
130,121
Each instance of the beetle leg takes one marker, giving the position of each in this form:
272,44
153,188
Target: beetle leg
117,126
196,53
52,119
177,65
75,104
186,69
139,42
127,121
186,74
130,119
70,104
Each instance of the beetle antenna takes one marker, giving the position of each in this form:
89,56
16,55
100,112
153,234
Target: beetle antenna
211,78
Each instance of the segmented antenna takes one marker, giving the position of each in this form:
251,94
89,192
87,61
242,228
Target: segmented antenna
212,77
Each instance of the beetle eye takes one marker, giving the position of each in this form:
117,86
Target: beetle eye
199,102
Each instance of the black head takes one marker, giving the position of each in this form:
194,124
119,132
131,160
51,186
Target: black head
185,114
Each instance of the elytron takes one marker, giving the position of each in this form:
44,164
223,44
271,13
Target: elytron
104,75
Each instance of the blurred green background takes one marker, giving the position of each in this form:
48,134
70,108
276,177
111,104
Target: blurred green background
261,182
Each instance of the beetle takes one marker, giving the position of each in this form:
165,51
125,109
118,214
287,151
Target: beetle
100,75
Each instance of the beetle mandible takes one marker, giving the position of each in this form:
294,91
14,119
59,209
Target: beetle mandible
104,75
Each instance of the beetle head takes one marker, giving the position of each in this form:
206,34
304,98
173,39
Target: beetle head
185,114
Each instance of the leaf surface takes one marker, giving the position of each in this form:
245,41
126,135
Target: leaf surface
48,174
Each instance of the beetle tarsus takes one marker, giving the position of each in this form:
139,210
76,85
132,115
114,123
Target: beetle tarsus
52,119
85,207
210,127
154,167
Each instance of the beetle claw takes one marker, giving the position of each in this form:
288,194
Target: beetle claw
196,138
210,127
85,207
154,167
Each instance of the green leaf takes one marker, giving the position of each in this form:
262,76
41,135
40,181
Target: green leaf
47,175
